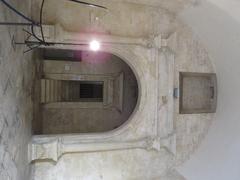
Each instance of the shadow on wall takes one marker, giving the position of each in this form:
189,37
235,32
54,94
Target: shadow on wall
218,157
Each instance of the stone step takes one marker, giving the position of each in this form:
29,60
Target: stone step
58,91
51,91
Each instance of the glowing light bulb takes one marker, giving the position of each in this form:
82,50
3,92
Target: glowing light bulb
94,45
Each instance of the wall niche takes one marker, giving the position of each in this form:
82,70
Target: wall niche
198,93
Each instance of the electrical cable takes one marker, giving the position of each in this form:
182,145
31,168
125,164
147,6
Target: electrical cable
41,17
35,44
34,35
88,4
19,13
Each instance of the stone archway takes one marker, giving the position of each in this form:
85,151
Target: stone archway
65,108
143,129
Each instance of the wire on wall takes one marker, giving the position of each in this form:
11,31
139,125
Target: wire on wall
37,42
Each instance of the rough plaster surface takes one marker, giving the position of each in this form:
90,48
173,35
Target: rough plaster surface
190,56
119,165
16,77
115,21
190,128
216,24
174,6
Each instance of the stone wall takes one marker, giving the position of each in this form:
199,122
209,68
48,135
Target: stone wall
16,77
17,72
141,164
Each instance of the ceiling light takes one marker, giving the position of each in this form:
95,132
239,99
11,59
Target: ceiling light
94,45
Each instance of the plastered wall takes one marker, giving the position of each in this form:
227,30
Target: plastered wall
216,24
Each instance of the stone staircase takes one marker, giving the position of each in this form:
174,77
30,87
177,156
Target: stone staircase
59,91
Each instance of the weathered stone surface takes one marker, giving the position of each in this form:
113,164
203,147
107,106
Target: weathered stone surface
184,132
15,102
179,134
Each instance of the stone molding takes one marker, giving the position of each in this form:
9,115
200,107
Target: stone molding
58,34
159,121
55,148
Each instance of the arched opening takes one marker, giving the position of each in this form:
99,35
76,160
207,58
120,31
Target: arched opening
83,92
